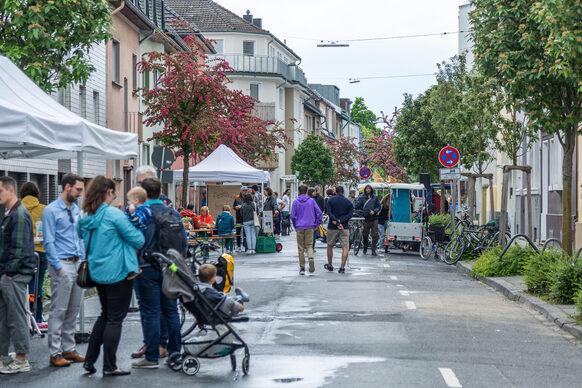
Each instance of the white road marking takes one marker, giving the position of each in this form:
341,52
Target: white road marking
450,378
386,265
410,305
393,278
404,293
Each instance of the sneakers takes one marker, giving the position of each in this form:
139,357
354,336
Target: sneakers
329,267
341,270
15,366
311,265
244,296
145,364
301,271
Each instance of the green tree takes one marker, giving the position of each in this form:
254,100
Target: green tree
50,40
365,117
313,161
513,43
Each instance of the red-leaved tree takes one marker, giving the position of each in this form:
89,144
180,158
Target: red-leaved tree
199,112
346,159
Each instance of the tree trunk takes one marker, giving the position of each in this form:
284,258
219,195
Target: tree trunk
503,216
492,200
529,209
185,181
471,196
569,143
443,197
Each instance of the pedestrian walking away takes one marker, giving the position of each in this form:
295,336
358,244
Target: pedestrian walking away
237,205
249,215
164,230
368,205
16,269
306,216
64,249
30,195
340,211
111,241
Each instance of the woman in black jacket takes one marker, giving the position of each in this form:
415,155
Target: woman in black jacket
248,212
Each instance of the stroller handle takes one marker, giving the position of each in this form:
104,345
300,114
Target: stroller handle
171,266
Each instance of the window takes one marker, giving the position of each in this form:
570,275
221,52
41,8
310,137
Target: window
255,91
145,156
281,98
61,96
219,46
146,79
134,73
83,102
96,107
115,61
249,47
272,51
156,77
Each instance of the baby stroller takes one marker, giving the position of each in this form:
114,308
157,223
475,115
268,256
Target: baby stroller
216,338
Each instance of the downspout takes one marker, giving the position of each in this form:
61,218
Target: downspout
116,10
147,37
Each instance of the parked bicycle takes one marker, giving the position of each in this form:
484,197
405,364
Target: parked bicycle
356,225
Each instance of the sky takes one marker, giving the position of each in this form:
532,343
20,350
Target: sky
302,24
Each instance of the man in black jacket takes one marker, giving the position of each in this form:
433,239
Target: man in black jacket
368,205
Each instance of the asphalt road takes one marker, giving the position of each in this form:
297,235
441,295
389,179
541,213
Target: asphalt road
389,321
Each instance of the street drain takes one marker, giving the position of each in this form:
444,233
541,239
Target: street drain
288,380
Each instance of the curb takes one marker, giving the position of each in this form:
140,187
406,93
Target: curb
552,313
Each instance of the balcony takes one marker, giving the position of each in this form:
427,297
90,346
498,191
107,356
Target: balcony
264,65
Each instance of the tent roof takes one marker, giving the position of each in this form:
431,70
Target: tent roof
34,125
223,165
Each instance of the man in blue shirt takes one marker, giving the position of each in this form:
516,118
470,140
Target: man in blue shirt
153,304
64,249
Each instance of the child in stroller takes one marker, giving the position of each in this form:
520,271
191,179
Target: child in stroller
230,306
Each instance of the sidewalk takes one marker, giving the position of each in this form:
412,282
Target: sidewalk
514,288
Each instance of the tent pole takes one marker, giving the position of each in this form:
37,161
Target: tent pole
81,172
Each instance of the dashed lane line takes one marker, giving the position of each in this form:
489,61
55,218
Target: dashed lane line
410,305
386,265
393,278
404,293
450,378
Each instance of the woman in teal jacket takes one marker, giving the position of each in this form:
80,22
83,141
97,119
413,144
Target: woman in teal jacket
110,242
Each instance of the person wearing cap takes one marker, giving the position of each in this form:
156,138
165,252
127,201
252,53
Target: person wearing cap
237,205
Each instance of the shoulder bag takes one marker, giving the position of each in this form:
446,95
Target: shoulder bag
83,277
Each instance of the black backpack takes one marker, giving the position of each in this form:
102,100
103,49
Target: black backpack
169,231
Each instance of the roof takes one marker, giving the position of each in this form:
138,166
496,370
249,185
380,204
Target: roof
212,17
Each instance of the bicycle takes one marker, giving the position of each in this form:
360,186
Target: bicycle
356,227
468,238
434,243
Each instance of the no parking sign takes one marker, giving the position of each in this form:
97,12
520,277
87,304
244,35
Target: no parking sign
449,156
365,172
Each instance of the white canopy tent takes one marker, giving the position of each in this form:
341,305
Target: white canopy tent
34,125
223,165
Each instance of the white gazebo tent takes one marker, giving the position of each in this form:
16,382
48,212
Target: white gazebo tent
34,125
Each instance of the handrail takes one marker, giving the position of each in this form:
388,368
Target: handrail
515,237
547,241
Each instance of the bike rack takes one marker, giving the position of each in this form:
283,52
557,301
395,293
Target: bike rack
515,237
551,240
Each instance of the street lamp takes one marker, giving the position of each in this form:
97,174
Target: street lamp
354,80
332,44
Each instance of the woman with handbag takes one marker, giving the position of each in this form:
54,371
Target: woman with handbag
250,219
110,245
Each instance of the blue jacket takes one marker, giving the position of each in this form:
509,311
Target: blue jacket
112,255
225,223
305,213
340,210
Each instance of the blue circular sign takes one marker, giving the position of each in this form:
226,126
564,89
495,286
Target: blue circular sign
449,156
365,172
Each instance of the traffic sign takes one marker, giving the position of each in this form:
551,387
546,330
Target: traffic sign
449,156
447,174
365,172
162,157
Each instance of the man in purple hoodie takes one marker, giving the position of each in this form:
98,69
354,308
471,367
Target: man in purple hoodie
306,216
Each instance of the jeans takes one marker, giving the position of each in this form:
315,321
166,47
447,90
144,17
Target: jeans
381,234
42,266
163,324
277,225
370,227
227,241
115,299
153,305
304,237
238,235
13,314
250,234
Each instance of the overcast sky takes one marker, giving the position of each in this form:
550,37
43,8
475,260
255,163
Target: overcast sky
303,23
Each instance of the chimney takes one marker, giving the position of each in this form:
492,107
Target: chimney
248,17
258,22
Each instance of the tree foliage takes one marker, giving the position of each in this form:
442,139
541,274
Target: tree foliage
380,156
360,114
50,40
313,161
199,112
346,160
515,45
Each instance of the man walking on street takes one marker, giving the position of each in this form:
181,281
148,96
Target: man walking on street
339,210
64,249
306,216
369,205
16,269
165,230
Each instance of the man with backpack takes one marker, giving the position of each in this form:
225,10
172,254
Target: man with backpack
164,231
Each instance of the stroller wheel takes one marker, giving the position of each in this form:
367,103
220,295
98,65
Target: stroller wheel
190,365
279,247
175,361
233,361
245,364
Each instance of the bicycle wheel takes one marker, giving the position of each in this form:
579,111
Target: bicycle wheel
454,251
425,249
357,241
495,239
